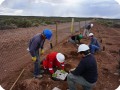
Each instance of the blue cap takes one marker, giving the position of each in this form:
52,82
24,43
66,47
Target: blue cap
47,33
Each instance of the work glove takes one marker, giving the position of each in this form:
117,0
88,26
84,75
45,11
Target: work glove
54,75
42,51
34,59
62,71
77,44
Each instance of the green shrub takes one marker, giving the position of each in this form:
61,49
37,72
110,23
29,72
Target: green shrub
108,23
10,26
23,23
35,24
117,25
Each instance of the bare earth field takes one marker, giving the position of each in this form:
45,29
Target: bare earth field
14,57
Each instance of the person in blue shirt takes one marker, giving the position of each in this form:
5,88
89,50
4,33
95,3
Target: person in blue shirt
85,73
36,43
94,44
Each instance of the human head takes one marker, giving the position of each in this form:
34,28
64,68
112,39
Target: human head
80,36
91,35
83,49
47,33
60,57
91,25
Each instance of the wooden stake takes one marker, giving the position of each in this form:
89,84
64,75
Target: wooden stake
103,48
119,62
17,79
79,26
72,26
56,34
51,46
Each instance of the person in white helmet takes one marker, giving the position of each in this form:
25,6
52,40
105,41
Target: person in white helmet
87,29
94,44
54,59
85,73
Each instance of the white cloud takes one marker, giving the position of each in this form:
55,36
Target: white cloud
70,8
1,1
8,11
118,1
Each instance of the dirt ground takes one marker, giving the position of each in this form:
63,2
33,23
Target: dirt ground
106,61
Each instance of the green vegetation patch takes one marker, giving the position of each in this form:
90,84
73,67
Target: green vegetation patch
12,22
115,23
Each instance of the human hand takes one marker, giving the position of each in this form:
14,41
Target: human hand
54,75
62,71
34,59
77,44
42,51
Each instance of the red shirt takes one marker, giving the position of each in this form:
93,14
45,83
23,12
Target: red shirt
52,61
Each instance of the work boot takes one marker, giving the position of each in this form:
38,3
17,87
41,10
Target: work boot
42,71
38,76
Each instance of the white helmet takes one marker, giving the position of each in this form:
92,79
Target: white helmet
91,34
83,47
60,57
91,25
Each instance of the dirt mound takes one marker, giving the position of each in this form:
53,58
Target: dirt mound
45,83
29,84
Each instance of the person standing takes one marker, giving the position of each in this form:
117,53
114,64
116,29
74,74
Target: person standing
87,29
85,73
36,43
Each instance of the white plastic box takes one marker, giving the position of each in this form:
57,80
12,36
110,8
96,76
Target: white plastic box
61,76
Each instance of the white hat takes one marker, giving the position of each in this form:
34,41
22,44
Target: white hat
91,25
91,34
60,57
83,47
1,88
118,88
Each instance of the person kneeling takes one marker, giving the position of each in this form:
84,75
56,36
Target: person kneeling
54,59
85,73
75,39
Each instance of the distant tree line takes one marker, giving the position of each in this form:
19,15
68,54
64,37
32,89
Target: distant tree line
12,22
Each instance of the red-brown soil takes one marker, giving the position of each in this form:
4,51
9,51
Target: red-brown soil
14,58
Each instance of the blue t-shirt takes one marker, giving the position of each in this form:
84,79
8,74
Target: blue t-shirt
94,41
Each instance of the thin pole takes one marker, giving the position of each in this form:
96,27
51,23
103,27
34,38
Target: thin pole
56,33
17,79
79,26
72,23
119,62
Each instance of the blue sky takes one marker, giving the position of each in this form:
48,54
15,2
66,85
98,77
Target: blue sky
63,8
